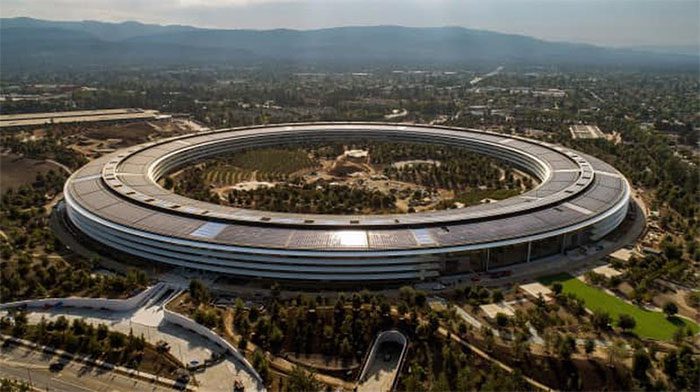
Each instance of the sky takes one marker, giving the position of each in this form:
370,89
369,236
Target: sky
601,22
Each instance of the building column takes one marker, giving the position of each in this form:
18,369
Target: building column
563,243
529,250
488,258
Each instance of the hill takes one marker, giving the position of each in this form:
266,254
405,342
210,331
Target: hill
36,44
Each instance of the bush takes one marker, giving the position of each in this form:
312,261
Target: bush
626,322
670,308
557,288
601,320
501,320
199,292
640,364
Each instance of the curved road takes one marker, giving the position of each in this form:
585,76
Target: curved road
21,363
148,320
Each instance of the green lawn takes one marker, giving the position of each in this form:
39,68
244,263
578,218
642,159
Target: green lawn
653,325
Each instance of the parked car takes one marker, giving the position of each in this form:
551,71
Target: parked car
56,366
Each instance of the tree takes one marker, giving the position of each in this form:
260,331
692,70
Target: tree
520,346
601,320
301,380
501,320
589,346
496,296
565,346
640,364
616,352
441,384
557,288
199,292
276,338
420,298
345,348
260,364
670,308
626,322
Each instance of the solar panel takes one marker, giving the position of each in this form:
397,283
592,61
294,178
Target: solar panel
208,230
423,237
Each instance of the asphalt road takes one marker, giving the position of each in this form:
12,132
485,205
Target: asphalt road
148,321
381,373
18,362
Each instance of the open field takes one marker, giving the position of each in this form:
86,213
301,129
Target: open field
226,175
129,133
273,160
269,164
650,324
474,196
16,171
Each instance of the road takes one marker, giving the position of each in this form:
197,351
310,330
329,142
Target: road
18,362
381,373
149,321
478,79
60,165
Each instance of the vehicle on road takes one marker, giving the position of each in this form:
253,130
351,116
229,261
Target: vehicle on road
56,366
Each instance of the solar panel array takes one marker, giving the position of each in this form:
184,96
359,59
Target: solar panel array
125,195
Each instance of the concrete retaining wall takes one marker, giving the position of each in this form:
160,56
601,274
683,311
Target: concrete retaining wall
386,336
187,323
116,305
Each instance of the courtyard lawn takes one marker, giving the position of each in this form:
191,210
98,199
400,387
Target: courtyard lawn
650,324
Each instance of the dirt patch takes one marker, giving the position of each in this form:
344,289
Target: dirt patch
16,171
626,289
129,134
684,309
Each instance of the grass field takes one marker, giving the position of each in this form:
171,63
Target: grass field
272,160
650,324
268,164
227,175
475,196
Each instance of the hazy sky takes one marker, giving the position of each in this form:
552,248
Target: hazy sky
603,22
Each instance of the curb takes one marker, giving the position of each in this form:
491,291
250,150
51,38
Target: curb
132,373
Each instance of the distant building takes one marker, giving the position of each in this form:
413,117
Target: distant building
106,115
359,156
586,132
536,290
116,201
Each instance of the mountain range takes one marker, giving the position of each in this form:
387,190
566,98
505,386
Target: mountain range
32,44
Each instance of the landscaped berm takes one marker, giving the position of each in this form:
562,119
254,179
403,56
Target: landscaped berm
649,324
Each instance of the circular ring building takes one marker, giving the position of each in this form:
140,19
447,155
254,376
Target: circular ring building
116,200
